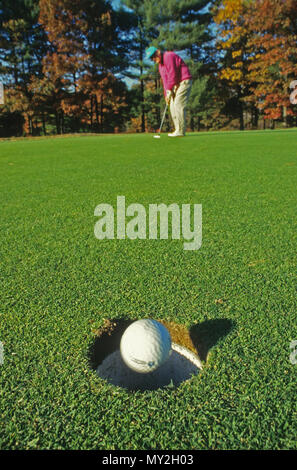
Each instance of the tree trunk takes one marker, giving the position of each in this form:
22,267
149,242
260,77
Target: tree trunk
43,124
158,108
101,114
241,117
58,122
255,117
141,88
63,122
192,123
91,113
97,113
240,109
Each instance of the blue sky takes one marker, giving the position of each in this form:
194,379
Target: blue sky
116,3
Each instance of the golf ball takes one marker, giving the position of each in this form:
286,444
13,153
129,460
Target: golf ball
145,345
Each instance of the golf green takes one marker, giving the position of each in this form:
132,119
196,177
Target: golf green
59,284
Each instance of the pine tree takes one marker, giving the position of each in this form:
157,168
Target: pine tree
184,27
22,47
22,41
181,24
141,34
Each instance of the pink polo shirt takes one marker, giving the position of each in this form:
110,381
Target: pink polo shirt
173,70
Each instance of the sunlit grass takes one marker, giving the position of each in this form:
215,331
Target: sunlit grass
59,283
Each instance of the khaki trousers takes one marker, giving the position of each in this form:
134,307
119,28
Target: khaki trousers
178,105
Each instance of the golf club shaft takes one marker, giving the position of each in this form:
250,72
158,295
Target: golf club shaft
163,117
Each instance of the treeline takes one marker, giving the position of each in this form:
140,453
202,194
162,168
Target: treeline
78,65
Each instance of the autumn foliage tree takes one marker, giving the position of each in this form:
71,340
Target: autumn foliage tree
79,64
63,62
232,41
274,62
258,38
60,62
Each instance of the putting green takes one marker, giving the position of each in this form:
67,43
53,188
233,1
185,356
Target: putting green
236,294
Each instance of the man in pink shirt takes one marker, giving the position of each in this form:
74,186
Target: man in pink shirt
177,83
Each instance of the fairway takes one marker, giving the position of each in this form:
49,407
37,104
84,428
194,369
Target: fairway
60,284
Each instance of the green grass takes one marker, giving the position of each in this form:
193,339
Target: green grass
59,283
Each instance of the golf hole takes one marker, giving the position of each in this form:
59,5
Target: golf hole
106,359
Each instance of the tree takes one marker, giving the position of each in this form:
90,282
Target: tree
184,26
22,41
274,62
232,41
172,25
142,33
82,59
22,46
181,24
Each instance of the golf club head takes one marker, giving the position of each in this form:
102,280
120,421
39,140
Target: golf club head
159,130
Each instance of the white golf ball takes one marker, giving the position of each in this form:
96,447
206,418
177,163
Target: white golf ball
145,345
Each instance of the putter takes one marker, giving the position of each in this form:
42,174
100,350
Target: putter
159,132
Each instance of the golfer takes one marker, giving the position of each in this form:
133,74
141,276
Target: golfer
177,83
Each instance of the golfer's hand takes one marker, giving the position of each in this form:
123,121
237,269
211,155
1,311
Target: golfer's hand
175,88
168,96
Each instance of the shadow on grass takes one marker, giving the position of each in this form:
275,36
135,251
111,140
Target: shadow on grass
205,335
